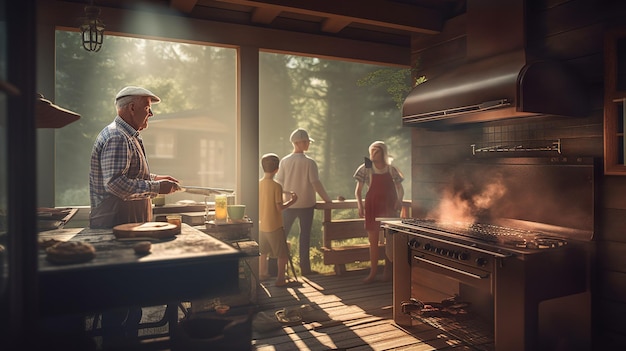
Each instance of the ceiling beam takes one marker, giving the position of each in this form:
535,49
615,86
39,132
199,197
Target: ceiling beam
334,25
379,13
127,22
184,6
264,15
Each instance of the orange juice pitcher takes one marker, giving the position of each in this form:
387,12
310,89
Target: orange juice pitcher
220,208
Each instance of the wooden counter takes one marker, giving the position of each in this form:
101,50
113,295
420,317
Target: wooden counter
190,265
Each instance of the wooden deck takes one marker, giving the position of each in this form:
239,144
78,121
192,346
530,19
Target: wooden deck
347,315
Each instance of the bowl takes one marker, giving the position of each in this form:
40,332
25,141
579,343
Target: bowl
236,212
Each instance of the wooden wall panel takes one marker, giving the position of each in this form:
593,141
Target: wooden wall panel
571,31
562,17
432,62
579,42
610,257
590,68
453,28
614,196
444,50
613,222
612,286
612,323
582,146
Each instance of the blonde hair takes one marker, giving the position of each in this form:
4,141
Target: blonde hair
382,146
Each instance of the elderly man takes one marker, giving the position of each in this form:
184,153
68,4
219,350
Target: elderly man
121,186
120,182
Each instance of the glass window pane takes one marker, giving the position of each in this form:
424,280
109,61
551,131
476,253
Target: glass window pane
345,106
192,135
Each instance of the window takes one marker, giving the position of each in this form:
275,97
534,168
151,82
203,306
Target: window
192,135
345,106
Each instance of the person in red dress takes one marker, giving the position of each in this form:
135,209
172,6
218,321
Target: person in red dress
382,199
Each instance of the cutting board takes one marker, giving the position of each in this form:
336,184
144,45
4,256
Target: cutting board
157,230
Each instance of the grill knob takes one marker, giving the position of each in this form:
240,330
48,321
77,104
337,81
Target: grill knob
414,243
427,247
463,256
443,252
481,262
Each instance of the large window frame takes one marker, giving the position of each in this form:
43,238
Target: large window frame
248,41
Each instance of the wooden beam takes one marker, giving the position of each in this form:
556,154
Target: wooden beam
62,14
334,25
374,12
264,15
185,6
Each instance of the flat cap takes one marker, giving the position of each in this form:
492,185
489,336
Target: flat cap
137,91
299,135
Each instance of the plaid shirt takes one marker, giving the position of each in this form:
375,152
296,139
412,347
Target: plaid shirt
364,175
119,166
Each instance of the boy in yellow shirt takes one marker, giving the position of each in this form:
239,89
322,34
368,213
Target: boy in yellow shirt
272,238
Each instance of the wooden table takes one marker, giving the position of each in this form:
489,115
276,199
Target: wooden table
190,265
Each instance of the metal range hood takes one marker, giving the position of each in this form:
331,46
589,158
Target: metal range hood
499,79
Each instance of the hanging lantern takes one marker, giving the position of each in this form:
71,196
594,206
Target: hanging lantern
92,29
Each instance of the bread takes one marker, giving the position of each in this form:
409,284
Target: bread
46,243
142,247
70,252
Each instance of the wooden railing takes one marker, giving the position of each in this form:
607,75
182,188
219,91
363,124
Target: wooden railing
338,229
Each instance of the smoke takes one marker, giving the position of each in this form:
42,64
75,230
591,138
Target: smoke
468,198
560,196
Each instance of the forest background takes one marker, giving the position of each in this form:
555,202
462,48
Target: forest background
345,106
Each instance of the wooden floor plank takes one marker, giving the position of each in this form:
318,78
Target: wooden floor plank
360,318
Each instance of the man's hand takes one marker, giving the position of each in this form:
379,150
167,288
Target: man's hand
168,187
166,177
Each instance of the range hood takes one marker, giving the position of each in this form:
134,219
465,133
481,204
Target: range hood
498,79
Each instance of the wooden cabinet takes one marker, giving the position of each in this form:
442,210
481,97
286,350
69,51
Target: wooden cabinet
615,102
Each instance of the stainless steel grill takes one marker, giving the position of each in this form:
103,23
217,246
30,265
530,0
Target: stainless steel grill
504,268
491,233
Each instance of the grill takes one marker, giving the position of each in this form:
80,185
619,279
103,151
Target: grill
490,233
501,278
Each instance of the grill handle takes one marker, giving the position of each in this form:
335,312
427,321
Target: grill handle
460,271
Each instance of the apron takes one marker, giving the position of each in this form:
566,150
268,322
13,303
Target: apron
380,199
113,210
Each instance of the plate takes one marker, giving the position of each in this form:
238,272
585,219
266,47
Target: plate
156,230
